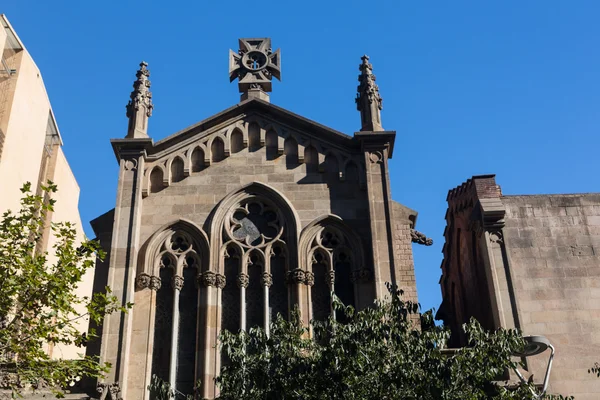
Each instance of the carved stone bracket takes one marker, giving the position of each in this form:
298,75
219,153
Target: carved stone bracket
296,275
109,391
267,279
420,238
142,281
221,281
309,279
155,283
177,282
145,281
243,280
208,278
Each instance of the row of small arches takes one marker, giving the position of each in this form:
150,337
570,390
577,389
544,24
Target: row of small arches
221,146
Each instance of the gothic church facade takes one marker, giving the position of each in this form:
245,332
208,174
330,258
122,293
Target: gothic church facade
243,216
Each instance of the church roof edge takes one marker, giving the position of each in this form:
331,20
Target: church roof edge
259,105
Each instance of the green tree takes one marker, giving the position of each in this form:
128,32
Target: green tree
38,305
374,354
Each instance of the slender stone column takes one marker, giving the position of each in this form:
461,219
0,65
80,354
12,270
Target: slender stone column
117,327
242,282
377,148
177,284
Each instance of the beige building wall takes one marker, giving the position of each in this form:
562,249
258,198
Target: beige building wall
30,151
532,263
553,244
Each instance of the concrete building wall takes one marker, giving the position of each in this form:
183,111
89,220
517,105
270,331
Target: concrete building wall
553,244
65,210
30,151
24,120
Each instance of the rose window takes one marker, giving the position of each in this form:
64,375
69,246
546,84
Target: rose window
254,224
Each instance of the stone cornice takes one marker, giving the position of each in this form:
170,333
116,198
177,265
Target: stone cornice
376,140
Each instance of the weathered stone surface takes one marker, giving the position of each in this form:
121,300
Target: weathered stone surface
541,273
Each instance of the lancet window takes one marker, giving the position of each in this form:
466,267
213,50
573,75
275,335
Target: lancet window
335,267
255,257
176,315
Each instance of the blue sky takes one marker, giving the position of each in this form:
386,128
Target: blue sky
471,87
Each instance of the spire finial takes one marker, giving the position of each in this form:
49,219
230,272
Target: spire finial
140,106
368,100
254,65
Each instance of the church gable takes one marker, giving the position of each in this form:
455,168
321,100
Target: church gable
247,215
194,150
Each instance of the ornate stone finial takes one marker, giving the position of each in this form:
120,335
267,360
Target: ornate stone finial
368,100
254,65
139,108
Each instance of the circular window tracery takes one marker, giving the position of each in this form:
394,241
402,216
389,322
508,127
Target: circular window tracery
254,223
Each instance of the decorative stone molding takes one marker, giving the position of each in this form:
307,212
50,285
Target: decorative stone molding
142,281
296,275
177,282
221,281
243,280
208,278
109,391
130,164
309,279
420,238
267,279
375,157
496,236
155,283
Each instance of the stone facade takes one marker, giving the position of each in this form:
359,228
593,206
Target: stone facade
251,212
527,262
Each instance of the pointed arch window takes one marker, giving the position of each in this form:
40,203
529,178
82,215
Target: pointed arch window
335,267
176,334
258,230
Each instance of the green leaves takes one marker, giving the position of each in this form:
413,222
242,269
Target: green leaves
377,353
38,306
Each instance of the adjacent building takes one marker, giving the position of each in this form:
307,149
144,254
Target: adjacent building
530,262
31,149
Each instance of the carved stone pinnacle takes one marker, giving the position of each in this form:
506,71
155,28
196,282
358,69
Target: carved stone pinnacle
140,106
368,100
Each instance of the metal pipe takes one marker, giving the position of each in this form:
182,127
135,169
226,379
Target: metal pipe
548,369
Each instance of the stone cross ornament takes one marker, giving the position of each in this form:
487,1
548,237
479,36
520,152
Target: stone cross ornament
254,65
